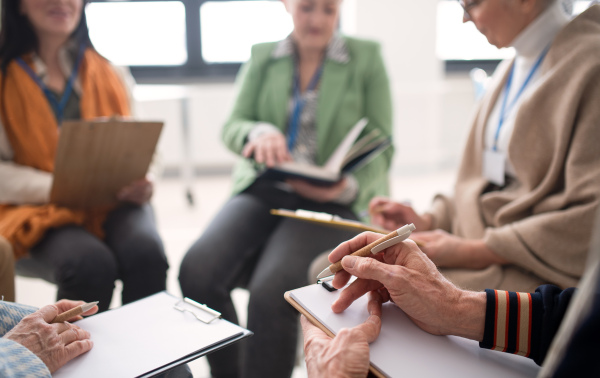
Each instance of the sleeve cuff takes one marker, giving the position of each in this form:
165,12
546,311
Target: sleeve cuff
441,213
18,361
510,322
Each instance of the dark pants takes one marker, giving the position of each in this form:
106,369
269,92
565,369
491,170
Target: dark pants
85,267
245,246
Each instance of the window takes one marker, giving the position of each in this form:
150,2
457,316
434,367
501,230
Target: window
462,47
184,38
140,33
237,25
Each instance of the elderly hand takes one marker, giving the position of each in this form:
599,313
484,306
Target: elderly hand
412,282
138,192
347,355
318,193
392,215
450,251
269,148
55,344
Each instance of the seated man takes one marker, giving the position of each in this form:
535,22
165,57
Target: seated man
406,276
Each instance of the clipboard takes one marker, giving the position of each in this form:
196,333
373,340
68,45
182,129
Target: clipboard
403,349
329,220
150,336
288,297
96,159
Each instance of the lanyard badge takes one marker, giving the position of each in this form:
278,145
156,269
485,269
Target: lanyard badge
494,161
294,121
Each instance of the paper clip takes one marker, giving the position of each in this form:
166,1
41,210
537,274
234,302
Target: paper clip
179,306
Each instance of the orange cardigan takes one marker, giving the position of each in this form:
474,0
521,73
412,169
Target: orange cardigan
33,133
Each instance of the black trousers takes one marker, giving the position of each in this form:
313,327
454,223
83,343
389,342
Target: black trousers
85,267
245,246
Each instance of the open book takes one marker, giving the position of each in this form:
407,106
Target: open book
403,349
350,155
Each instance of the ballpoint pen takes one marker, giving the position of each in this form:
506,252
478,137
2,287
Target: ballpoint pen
73,312
378,245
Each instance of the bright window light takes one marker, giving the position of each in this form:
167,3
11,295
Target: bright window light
580,6
230,28
459,41
139,33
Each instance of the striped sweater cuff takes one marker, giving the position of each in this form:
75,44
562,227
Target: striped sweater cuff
512,322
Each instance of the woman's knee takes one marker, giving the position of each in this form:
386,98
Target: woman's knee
142,253
96,267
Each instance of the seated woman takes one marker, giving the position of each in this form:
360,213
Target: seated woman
527,189
320,84
51,72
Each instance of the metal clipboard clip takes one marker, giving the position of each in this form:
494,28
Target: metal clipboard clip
180,306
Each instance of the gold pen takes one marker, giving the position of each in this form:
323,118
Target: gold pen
378,245
73,312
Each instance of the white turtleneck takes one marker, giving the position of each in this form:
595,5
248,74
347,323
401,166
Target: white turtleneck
529,45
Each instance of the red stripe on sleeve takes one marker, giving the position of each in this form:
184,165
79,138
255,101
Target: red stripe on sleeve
507,322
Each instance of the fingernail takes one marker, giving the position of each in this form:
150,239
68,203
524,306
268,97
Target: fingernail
349,261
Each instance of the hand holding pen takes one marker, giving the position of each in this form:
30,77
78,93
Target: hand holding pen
404,275
54,343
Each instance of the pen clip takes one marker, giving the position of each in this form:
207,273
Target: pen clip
390,242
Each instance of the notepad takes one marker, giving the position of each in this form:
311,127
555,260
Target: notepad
350,155
403,349
148,337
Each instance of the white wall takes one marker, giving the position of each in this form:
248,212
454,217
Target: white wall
432,110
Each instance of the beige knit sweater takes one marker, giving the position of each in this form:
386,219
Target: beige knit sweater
542,222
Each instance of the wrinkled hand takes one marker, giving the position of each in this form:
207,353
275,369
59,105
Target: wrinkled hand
318,193
347,355
412,282
392,215
269,148
55,344
450,251
138,192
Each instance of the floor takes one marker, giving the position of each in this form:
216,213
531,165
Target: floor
180,224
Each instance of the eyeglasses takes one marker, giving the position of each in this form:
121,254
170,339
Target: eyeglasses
467,6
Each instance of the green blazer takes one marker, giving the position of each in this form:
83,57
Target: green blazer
347,92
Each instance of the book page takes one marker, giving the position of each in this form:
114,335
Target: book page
142,336
334,163
404,350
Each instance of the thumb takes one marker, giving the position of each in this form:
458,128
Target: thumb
49,313
367,268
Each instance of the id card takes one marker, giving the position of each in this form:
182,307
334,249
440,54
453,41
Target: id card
494,164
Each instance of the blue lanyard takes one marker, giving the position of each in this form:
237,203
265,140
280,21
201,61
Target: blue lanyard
58,107
294,121
504,111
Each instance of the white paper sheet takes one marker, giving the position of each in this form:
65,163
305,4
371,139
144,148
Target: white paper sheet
404,350
142,336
